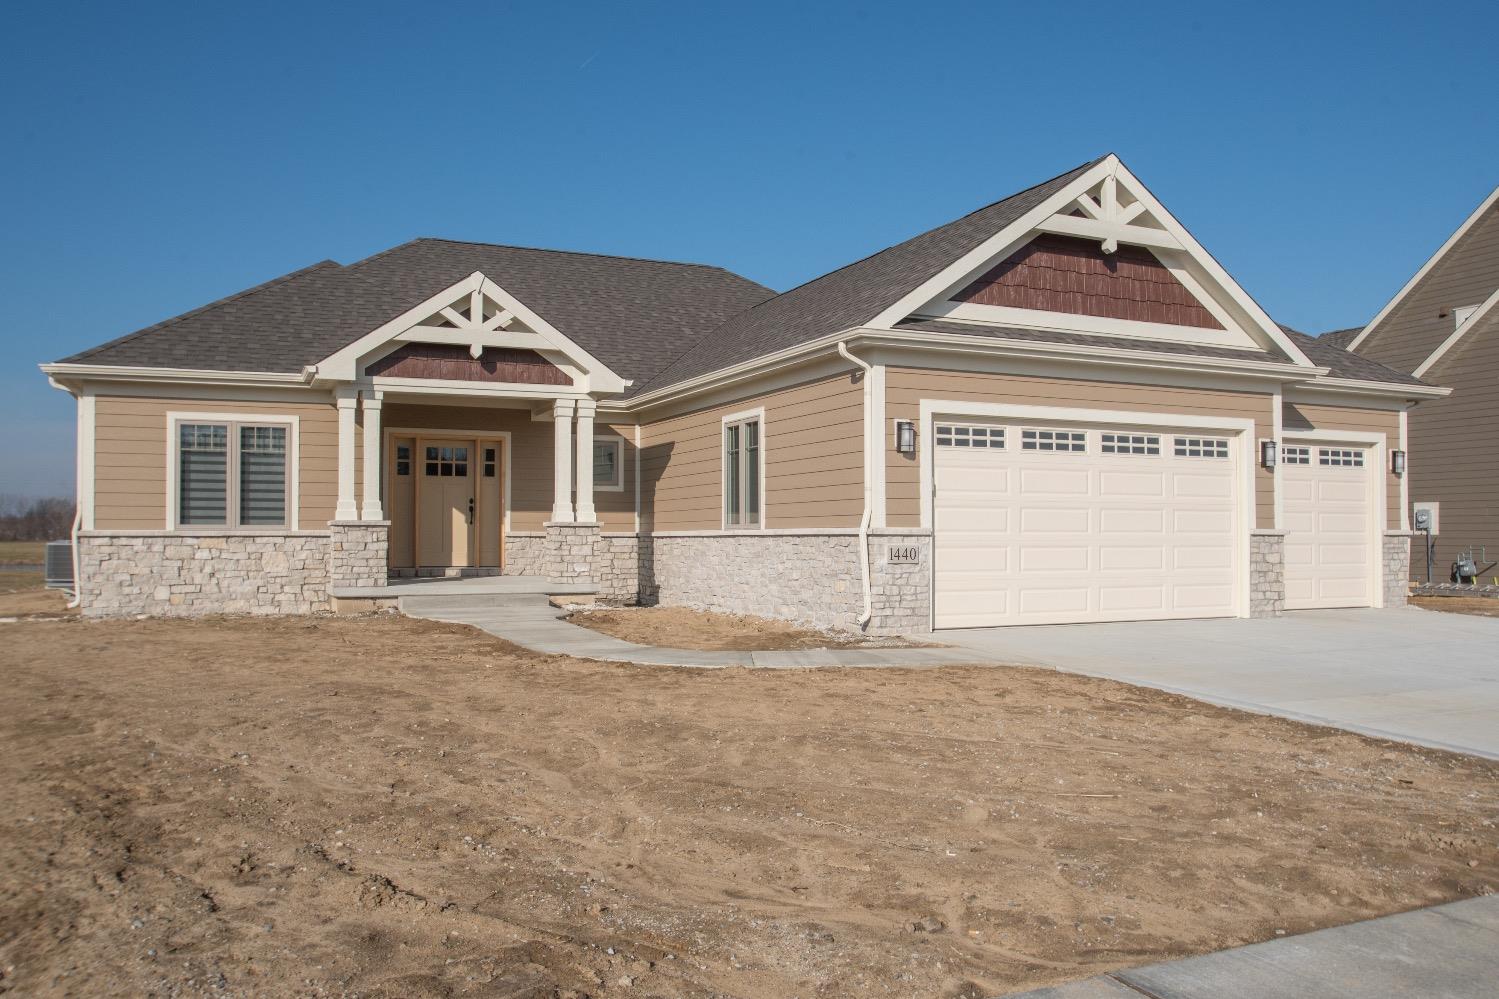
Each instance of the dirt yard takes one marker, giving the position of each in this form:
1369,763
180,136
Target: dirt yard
23,595
386,807
1481,606
680,628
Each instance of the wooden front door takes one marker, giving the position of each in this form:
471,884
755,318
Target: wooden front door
446,501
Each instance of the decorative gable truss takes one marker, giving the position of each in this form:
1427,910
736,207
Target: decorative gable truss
474,332
1101,256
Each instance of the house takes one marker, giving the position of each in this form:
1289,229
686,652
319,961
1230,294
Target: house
1443,327
1058,408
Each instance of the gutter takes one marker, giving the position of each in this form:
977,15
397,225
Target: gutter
868,491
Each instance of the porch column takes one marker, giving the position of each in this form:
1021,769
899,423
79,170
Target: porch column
374,455
562,461
586,409
348,398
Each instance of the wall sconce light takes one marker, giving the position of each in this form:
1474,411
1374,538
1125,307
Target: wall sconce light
1269,453
905,436
1397,462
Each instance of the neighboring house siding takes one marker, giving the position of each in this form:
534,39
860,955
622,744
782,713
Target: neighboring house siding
1306,416
1454,449
905,388
814,460
530,459
1466,275
132,458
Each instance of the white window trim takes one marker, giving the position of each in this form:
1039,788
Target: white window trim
619,463
1239,431
1376,465
758,413
293,470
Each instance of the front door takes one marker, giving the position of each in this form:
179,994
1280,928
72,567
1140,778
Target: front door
446,502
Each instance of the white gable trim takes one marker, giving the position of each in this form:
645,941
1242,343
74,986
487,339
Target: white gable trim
1410,285
1042,216
1470,323
344,365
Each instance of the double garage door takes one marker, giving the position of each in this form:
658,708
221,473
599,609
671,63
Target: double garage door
1056,524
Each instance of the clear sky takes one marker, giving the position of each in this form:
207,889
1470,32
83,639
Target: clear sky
158,156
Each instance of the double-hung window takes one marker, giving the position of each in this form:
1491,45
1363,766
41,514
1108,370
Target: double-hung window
233,474
741,472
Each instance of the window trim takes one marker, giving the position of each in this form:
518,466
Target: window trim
745,416
618,441
234,420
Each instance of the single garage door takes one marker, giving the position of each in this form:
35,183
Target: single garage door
1062,524
1328,516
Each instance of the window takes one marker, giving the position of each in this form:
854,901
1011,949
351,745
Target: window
489,462
1201,447
1053,440
403,459
447,462
741,478
1340,457
232,474
1130,444
953,435
1292,455
608,466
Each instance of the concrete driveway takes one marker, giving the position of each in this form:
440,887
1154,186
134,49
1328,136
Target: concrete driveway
1419,676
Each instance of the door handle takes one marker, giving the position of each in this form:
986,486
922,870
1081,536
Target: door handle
470,509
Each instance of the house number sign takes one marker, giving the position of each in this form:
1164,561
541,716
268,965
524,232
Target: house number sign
904,555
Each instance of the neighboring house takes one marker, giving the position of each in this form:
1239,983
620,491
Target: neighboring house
1443,327
1053,409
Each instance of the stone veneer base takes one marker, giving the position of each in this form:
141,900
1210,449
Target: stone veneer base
1397,568
1267,573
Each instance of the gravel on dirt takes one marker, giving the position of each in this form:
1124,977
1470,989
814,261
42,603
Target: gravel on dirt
683,628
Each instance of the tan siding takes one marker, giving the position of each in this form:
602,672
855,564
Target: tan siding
530,459
131,452
1454,458
1467,275
906,387
814,475
1304,416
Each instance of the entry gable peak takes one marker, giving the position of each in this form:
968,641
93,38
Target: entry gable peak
1103,256
478,315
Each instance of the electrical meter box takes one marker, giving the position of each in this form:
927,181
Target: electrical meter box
1424,517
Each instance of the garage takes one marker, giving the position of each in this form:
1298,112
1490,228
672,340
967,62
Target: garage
1068,523
1329,520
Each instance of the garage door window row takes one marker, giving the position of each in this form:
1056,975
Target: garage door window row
1292,455
1131,444
1076,442
957,435
1340,457
1053,440
1201,447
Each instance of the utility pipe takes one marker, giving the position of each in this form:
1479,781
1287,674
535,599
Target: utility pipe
868,489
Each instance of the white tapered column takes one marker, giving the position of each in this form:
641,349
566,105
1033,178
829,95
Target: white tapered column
586,409
348,399
562,467
374,456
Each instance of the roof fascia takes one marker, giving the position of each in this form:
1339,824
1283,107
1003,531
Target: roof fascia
1457,334
1034,219
1383,390
343,364
192,376
1431,262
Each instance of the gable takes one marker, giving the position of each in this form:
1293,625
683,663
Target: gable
1098,257
1054,273
1462,274
457,363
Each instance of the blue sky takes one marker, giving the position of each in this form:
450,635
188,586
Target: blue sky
159,156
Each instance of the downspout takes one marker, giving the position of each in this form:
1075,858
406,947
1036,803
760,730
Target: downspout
77,526
868,490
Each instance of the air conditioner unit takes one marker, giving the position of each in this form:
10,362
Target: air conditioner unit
58,568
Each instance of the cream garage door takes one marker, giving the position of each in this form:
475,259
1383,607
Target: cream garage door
1328,518
1040,524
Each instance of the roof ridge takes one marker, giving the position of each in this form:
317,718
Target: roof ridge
547,249
218,303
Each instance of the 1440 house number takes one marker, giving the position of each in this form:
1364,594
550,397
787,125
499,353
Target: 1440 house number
904,555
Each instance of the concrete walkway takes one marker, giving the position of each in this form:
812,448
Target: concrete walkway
1445,952
531,622
1419,676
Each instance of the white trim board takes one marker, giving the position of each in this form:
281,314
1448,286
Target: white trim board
1241,429
1425,268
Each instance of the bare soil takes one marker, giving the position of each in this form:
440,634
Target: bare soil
681,628
22,594
1480,606
385,807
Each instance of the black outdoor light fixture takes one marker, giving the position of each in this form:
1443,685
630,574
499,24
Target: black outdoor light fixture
905,436
1397,462
1269,452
